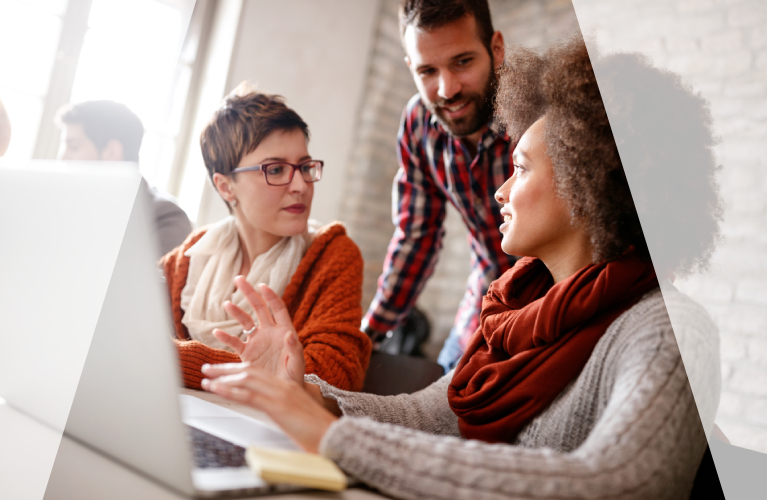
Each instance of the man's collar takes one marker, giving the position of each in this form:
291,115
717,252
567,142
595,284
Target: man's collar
497,130
434,122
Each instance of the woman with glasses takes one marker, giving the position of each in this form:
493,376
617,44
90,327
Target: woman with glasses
255,151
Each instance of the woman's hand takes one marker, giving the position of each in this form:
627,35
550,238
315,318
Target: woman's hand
274,345
285,401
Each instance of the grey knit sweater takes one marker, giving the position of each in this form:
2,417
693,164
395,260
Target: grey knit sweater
627,427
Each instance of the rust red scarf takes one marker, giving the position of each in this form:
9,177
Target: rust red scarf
534,339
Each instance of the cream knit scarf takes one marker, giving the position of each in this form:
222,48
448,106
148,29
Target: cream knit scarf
214,261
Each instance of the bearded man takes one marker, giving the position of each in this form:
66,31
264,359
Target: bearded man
450,150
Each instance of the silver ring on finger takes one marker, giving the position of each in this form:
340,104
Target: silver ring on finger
248,332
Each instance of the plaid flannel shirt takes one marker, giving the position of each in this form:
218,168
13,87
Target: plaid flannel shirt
436,169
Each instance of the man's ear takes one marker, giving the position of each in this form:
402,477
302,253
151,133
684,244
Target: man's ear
498,49
113,151
407,61
224,187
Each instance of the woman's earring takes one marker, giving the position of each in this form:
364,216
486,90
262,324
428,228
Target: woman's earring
234,203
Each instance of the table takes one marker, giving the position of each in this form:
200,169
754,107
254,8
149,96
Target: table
29,451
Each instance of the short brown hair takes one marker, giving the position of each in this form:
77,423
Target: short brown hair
665,133
244,120
432,14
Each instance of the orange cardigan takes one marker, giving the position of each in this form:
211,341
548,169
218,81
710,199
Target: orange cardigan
323,297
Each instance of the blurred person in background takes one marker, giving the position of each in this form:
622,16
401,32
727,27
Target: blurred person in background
110,131
5,129
255,150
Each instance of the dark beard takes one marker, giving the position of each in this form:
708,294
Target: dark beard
471,123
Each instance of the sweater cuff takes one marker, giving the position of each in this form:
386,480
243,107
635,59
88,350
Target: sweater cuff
329,447
345,399
340,434
353,443
193,354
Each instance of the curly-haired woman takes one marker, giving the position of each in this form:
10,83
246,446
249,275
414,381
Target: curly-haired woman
573,386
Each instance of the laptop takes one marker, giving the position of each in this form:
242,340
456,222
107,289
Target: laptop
87,332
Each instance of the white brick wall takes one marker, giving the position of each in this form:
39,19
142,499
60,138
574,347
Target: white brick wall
373,163
720,48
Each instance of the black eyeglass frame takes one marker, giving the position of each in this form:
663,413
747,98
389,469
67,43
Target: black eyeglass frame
265,166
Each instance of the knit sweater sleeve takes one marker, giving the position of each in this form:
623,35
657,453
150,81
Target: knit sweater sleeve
426,410
192,354
647,443
328,320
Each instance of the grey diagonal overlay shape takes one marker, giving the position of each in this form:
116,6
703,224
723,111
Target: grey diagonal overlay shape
128,375
718,53
57,256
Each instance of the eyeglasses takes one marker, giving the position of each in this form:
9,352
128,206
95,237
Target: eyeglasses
280,173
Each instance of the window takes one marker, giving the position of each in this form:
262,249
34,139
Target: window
78,50
29,37
130,55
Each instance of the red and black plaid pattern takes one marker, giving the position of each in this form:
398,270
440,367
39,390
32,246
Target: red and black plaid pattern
436,169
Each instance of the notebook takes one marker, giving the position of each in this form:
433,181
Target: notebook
295,467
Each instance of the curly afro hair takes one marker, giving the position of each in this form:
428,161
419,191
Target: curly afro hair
656,125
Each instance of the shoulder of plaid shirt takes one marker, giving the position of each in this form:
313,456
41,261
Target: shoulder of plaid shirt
433,171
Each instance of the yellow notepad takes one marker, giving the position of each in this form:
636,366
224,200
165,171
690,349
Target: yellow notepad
295,467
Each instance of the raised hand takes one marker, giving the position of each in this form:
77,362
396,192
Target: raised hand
286,402
273,346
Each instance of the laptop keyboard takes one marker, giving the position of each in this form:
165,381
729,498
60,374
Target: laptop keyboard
210,451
